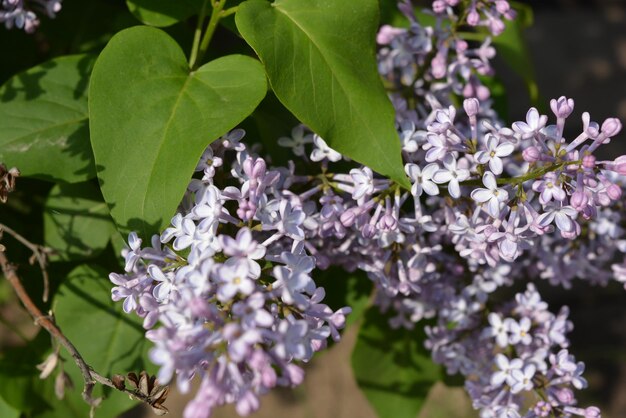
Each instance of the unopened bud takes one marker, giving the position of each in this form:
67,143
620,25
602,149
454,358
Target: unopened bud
531,154
614,192
471,106
589,161
473,18
563,107
611,127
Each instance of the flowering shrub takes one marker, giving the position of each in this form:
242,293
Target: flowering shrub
396,170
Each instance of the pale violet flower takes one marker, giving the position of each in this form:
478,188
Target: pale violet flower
492,195
452,175
563,216
323,151
363,182
234,279
534,123
297,141
494,153
506,368
422,179
522,379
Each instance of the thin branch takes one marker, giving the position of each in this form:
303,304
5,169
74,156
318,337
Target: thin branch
90,377
39,252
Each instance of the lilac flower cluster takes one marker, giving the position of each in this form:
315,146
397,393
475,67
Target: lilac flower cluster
490,206
519,358
488,13
21,14
423,65
231,287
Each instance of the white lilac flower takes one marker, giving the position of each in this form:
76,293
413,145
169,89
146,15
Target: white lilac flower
563,216
506,367
232,280
363,182
422,179
452,175
533,125
494,153
522,379
323,151
492,195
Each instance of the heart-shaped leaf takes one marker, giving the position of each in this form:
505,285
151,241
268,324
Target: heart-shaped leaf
320,59
151,119
44,120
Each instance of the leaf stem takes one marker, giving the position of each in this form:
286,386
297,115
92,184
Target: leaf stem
197,35
216,15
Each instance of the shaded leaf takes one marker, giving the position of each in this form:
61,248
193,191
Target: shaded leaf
320,59
151,119
163,13
392,367
44,120
345,289
76,221
109,340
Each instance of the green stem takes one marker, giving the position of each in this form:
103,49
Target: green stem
197,35
216,15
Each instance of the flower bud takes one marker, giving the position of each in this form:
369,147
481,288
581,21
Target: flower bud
614,192
473,18
563,107
502,6
386,34
611,127
347,218
461,46
531,154
565,396
259,167
368,231
589,161
592,412
579,200
482,92
439,6
619,165
471,106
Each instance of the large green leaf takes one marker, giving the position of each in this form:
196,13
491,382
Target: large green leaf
320,59
109,340
7,411
151,119
392,367
513,49
44,120
163,12
77,223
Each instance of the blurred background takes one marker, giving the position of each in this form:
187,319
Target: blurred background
578,49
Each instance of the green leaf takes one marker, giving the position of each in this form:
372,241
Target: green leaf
77,223
345,289
512,48
7,411
151,119
163,13
320,59
44,120
392,367
109,340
